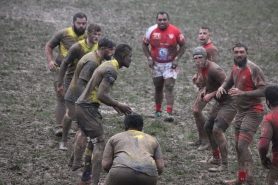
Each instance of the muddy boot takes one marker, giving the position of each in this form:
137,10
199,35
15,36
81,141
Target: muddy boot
212,160
70,162
63,146
194,143
222,167
204,145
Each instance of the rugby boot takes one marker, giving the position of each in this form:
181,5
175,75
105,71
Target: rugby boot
195,143
63,146
169,117
212,160
204,145
219,168
72,132
155,114
81,182
58,131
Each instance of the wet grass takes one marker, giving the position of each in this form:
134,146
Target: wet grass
29,150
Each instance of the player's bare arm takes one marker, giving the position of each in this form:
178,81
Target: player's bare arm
107,164
159,165
263,146
49,56
104,97
147,54
64,66
180,53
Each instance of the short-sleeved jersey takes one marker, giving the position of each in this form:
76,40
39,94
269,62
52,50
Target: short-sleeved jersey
246,79
269,130
84,70
134,149
75,53
163,42
212,52
213,76
65,39
106,71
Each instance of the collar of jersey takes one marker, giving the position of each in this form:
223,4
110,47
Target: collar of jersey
115,63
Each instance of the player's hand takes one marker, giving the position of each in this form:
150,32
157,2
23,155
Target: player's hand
52,65
150,62
207,97
235,92
220,91
175,64
60,90
118,110
194,78
124,108
203,93
266,162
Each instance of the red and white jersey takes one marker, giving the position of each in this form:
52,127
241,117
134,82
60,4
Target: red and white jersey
248,78
269,130
163,42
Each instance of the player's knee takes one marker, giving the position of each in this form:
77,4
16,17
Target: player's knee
208,127
242,146
196,111
220,124
169,87
98,149
67,119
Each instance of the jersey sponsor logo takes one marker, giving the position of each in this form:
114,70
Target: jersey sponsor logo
156,35
171,36
163,53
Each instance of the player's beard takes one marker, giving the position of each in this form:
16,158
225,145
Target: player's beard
78,31
107,57
241,63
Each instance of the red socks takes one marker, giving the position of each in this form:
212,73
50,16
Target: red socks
158,108
216,154
169,109
242,176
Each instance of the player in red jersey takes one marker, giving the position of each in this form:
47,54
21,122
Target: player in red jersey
221,113
269,132
199,105
163,57
246,83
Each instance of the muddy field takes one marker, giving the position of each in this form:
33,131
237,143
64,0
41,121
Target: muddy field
29,152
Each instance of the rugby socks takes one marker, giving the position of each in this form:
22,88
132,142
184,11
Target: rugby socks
216,154
158,108
242,176
169,109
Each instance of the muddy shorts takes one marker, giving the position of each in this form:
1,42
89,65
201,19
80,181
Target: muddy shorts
127,176
221,115
165,70
89,120
248,122
71,107
272,177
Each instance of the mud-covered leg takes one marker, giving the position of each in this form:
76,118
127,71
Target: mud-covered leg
96,161
78,148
